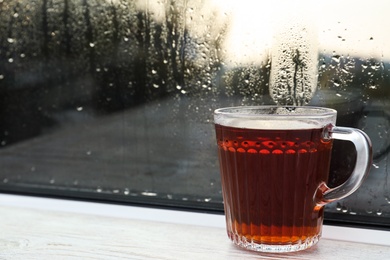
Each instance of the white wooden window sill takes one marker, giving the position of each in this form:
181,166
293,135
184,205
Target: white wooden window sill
42,228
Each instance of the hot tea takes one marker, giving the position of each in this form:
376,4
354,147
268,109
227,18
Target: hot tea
270,179
274,164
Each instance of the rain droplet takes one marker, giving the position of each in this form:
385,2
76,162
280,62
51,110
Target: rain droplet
156,85
10,60
375,166
1,76
207,199
336,58
91,44
154,71
149,193
5,180
379,212
10,40
52,181
126,191
99,189
79,108
32,168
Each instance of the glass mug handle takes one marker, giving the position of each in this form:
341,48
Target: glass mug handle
363,162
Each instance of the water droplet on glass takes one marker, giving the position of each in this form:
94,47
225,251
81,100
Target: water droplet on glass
379,212
375,166
336,58
52,181
10,40
5,180
149,193
207,199
154,71
156,85
10,60
344,209
79,108
116,191
98,189
1,76
338,206
32,168
170,196
88,153
126,191
183,91
91,44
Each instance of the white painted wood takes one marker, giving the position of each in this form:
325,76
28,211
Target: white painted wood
27,233
368,236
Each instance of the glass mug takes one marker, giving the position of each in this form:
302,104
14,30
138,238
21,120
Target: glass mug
274,164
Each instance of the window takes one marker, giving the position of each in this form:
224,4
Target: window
112,100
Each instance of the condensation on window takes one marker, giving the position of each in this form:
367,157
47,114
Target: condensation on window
114,99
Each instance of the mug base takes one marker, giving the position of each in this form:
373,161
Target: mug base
243,242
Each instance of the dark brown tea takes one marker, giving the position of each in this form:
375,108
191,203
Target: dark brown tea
270,180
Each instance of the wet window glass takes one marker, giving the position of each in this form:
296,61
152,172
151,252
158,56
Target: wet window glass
113,99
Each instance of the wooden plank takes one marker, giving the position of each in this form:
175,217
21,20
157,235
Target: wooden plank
42,234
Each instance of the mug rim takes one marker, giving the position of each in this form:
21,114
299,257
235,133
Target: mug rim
269,111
